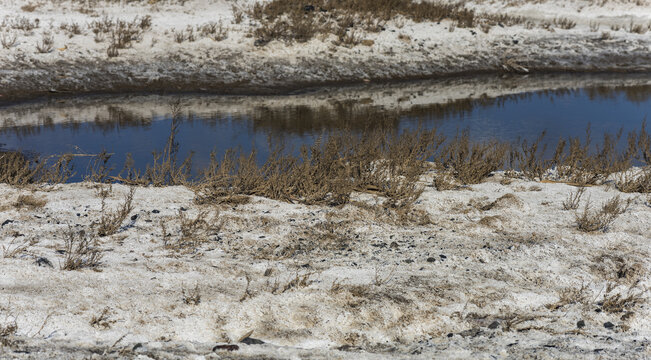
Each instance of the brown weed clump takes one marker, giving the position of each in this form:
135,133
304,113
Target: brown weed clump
80,251
590,221
288,20
110,221
327,172
470,162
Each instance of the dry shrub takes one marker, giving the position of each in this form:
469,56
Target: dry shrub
8,39
7,331
590,221
16,168
573,199
80,251
298,281
290,21
110,221
616,302
102,320
14,248
98,170
46,44
192,231
29,202
570,295
192,296
472,162
564,23
328,171
444,181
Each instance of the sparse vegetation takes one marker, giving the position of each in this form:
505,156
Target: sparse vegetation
80,251
110,221
600,220
284,20
8,39
46,44
192,296
564,23
29,202
102,320
573,199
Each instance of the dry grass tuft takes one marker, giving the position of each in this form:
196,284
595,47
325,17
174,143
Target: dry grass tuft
8,39
29,202
110,221
564,23
192,296
7,331
46,44
470,162
80,251
192,231
573,199
589,221
616,302
288,21
102,320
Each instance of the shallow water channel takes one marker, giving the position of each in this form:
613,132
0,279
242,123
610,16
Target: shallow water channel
506,108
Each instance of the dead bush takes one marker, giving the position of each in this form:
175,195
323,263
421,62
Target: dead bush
616,302
7,331
30,202
71,29
472,162
110,221
8,39
573,199
80,251
192,296
600,220
564,23
45,45
102,320
192,232
288,21
16,168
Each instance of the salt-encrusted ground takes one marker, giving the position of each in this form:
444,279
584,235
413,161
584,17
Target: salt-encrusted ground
234,65
509,281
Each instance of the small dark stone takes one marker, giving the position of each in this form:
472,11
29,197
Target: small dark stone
443,257
598,350
393,245
252,341
473,32
450,335
42,261
183,209
516,41
609,325
7,222
409,261
580,324
306,265
431,259
494,325
226,347
155,211
60,251
134,217
308,8
78,214
136,346
597,310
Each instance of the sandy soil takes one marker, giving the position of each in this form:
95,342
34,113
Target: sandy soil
495,270
79,62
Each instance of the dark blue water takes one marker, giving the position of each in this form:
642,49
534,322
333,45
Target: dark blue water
525,116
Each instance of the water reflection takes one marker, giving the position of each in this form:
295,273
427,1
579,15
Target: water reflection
490,108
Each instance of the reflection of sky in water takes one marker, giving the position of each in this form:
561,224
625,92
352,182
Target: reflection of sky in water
561,115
